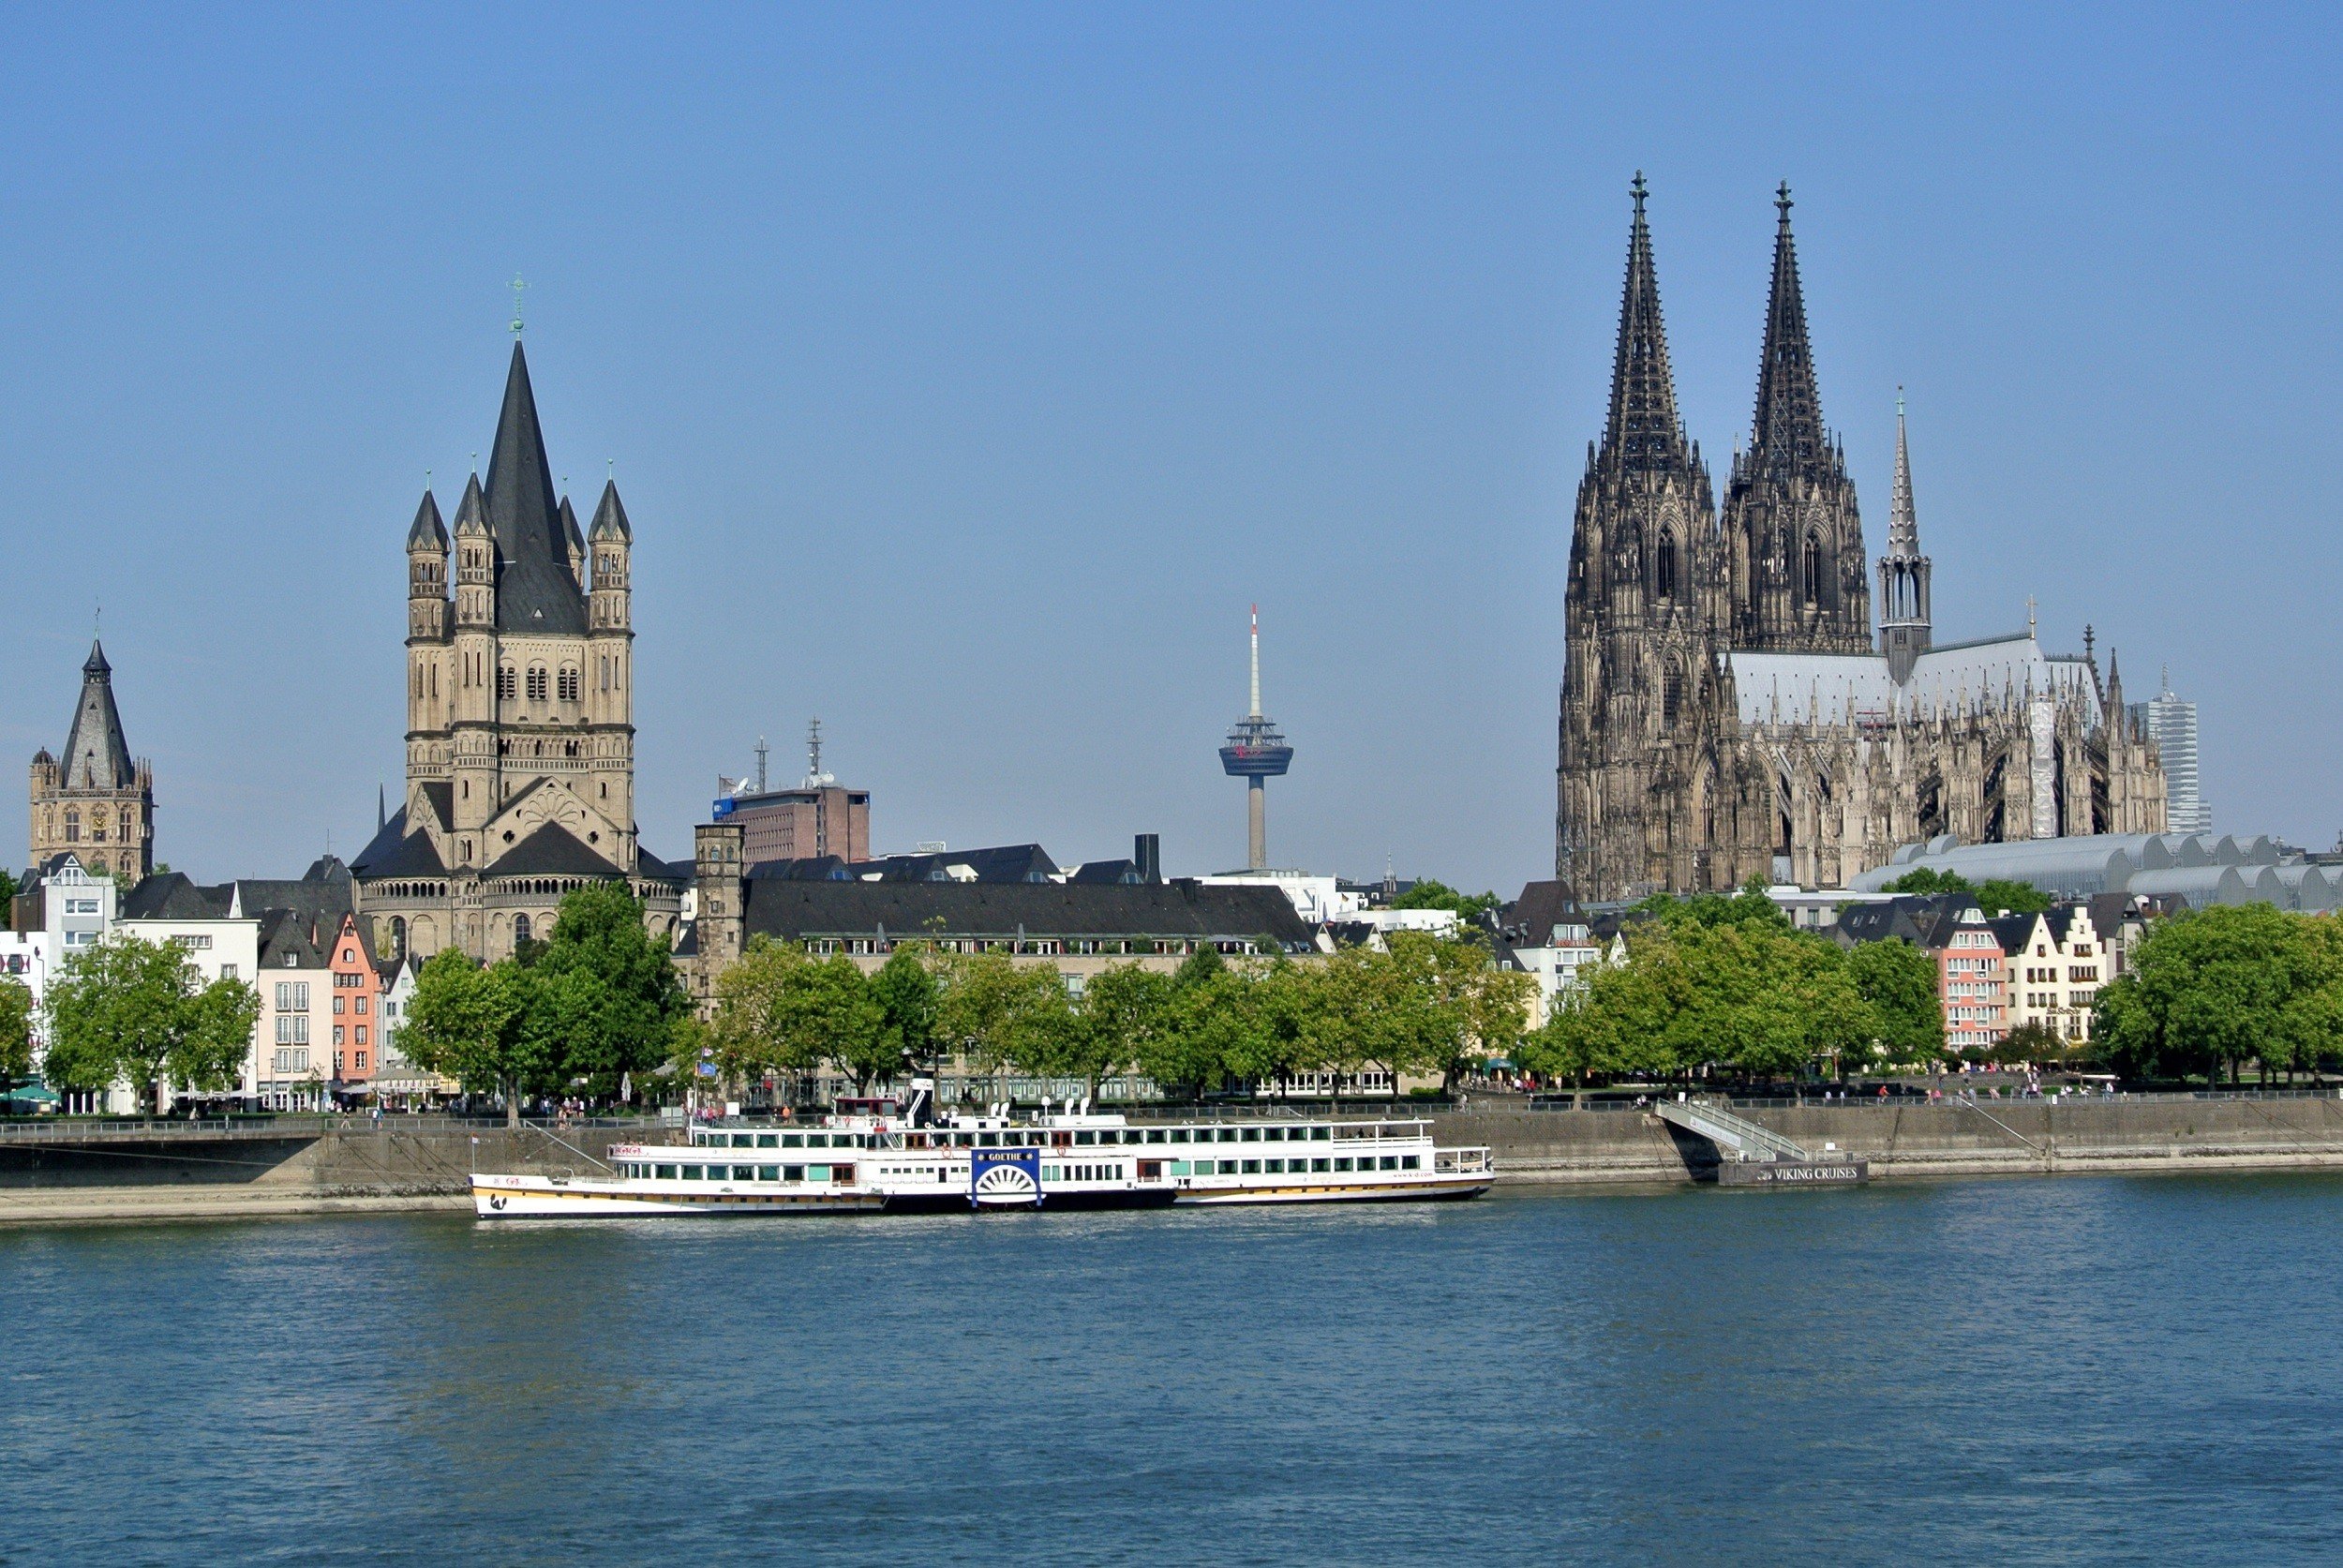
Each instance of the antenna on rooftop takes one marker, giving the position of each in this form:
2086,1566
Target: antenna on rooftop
814,776
761,750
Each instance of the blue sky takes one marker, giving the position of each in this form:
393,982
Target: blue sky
968,371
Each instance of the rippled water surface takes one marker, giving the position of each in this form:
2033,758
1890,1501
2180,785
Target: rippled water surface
2055,1370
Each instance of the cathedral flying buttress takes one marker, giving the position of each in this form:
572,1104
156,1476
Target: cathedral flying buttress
1728,710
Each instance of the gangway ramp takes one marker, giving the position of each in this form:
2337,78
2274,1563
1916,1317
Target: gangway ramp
1755,1155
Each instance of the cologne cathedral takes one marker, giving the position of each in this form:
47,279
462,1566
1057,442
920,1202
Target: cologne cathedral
1729,710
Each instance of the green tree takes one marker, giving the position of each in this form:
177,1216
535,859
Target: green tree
472,1024
909,995
608,997
137,1010
1993,895
2211,989
976,1011
1464,1008
16,1032
1747,906
2030,1041
843,1022
1900,983
1431,894
1125,1008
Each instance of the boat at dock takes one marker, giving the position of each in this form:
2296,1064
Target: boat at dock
910,1162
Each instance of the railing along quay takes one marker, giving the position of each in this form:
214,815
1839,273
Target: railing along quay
291,1127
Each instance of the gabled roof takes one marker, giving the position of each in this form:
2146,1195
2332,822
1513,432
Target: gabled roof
395,852
95,755
1529,920
552,850
1012,863
535,590
172,895
790,910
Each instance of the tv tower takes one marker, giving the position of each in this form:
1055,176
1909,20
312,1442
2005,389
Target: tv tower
1255,753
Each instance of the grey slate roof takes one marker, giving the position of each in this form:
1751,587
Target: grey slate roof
1012,863
395,852
788,909
535,592
610,516
95,755
428,532
552,850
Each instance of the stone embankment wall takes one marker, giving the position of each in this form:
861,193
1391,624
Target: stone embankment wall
1948,1138
180,1174
405,1165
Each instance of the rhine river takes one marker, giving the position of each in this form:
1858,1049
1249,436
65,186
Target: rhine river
2064,1370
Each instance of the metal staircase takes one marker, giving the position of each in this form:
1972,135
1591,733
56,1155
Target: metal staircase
1735,1136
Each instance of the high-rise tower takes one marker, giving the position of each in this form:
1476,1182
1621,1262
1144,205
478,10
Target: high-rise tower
1255,753
1800,579
1904,614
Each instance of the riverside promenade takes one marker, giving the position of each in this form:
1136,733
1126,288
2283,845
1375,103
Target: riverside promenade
250,1167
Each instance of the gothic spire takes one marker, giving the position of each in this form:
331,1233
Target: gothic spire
1789,410
1644,431
95,755
1904,528
610,516
535,590
428,532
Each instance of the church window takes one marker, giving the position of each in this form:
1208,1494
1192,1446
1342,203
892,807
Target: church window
536,682
398,936
1814,570
126,825
507,683
72,826
569,684
1671,697
1667,565
520,930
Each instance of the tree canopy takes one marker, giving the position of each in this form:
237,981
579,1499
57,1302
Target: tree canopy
1429,893
597,999
1993,895
2211,989
137,1011
16,1033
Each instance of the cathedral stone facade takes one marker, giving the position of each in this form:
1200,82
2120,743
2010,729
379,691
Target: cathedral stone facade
1728,710
95,803
520,714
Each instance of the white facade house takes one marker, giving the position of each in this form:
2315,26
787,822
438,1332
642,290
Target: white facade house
217,950
1560,966
2056,961
293,1060
1320,900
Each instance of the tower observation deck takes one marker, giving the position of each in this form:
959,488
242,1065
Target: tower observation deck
1255,753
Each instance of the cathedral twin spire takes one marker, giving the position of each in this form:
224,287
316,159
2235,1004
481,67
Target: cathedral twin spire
1643,432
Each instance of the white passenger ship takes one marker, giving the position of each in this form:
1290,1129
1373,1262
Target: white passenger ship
1072,1159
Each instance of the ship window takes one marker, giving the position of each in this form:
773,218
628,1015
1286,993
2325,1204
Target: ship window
743,1140
1252,1168
792,1140
1277,1167
793,1172
1319,1164
818,1139
1274,1134
667,1172
1252,1135
768,1140
1391,1162
695,1172
1410,1162
817,1173
1085,1138
1227,1166
1343,1164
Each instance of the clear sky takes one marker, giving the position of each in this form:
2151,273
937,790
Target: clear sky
968,371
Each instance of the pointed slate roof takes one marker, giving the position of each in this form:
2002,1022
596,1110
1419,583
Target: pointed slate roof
572,541
428,532
1903,527
535,590
471,513
1644,431
1789,432
552,850
95,755
610,516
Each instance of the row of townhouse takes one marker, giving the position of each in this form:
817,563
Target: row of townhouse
328,1004
1998,972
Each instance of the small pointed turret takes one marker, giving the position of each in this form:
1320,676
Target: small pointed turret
573,543
471,513
610,516
1905,625
428,532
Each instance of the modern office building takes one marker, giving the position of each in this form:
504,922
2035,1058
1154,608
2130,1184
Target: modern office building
2171,722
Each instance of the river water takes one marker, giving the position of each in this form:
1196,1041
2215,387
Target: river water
2057,1370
